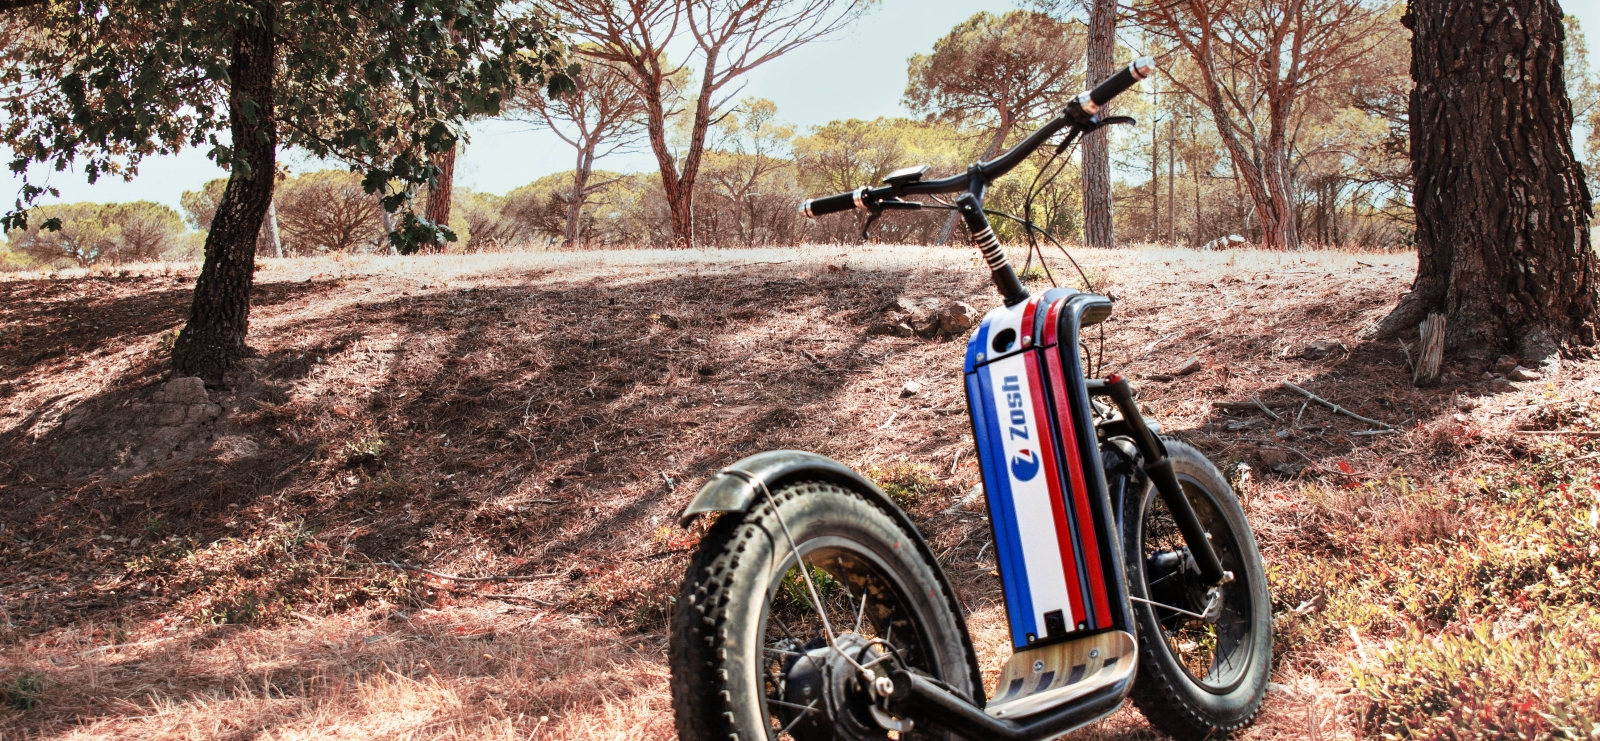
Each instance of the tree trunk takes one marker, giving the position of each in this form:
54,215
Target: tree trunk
1155,178
388,223
443,189
580,180
273,237
995,145
1502,209
1280,230
219,316
1172,176
682,200
655,128
1097,229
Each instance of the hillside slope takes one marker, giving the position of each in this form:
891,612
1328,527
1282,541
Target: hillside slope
182,562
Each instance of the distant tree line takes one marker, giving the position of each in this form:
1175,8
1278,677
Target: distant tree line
93,234
982,87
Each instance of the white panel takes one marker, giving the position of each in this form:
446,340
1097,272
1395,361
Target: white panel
1030,496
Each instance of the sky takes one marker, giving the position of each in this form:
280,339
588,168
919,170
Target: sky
858,73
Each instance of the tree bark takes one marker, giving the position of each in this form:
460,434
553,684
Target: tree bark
273,238
219,316
1502,209
1097,229
388,224
1172,176
580,180
437,209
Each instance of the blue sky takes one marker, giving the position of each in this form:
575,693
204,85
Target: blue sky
858,73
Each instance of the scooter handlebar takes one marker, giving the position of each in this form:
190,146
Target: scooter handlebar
835,203
1117,84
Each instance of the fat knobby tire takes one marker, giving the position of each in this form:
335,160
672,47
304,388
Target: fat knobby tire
1163,692
715,691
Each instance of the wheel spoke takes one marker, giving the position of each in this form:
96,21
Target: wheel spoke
1167,607
807,711
862,612
1213,653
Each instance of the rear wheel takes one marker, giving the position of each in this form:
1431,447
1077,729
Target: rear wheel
759,650
1205,652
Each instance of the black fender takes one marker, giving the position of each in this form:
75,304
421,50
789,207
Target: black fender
734,489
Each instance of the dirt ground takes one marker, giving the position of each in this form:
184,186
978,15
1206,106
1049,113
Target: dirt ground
233,563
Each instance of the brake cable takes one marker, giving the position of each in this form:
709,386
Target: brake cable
1033,191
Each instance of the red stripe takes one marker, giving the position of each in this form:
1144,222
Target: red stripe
1050,318
1027,318
1080,490
1047,448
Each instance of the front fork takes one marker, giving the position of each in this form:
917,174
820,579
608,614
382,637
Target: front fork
1159,468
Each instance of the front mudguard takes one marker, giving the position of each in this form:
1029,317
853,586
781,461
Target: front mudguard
735,489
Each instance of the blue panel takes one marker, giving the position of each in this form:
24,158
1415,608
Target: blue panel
997,487
975,345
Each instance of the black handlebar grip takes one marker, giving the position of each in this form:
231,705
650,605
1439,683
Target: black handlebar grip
834,204
1118,84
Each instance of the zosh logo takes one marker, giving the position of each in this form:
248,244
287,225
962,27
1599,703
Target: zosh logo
1025,464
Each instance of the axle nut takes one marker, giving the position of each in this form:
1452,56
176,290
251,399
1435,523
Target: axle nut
884,686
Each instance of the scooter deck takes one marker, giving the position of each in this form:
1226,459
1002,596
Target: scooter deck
1037,679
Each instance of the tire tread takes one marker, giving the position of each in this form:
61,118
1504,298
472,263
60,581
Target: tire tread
1156,694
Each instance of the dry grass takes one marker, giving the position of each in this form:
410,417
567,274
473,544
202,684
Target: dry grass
549,414
444,673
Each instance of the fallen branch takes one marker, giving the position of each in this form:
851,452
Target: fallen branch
501,597
1253,404
1270,413
453,577
1579,433
1335,407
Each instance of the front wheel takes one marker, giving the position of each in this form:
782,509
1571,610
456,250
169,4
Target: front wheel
1205,652
769,638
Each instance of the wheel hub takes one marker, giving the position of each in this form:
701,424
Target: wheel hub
1173,578
839,697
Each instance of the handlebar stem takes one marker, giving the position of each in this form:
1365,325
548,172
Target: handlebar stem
1000,271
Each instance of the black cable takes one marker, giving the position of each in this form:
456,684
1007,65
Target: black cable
1096,364
1034,189
1035,227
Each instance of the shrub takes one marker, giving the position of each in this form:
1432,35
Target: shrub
328,211
1542,682
488,226
22,692
905,483
93,233
14,261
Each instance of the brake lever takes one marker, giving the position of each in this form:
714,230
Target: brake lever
875,211
1081,130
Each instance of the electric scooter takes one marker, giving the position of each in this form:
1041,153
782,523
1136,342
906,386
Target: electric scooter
813,609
